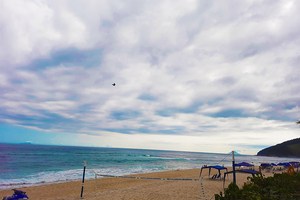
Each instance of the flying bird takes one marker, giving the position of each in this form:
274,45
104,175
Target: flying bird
113,84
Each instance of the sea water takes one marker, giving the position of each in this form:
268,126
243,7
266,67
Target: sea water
23,165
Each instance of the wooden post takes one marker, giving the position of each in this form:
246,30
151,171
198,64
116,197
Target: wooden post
83,178
233,167
95,180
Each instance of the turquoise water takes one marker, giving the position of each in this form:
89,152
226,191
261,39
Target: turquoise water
28,165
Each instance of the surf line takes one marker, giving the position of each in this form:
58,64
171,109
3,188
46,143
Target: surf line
165,179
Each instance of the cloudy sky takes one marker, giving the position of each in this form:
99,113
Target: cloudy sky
191,75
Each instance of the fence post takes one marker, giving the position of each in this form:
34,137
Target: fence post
83,178
95,180
233,167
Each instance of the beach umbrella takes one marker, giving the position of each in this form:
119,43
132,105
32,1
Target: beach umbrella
245,164
273,164
284,164
280,164
265,164
294,162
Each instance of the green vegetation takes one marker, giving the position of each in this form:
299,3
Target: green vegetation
279,187
289,148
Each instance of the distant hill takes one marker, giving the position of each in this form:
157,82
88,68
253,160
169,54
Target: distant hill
289,148
27,142
235,153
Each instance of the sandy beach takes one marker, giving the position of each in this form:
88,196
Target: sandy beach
123,188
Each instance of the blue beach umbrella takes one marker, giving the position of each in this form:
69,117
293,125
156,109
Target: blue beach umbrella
245,164
265,164
284,164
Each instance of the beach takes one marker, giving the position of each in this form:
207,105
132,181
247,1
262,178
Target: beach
126,188
55,172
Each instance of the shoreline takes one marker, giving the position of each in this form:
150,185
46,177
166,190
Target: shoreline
129,188
88,170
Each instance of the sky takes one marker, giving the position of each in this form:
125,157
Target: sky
190,75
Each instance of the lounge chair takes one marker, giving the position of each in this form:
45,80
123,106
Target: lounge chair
214,176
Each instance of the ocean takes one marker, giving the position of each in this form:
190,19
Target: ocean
23,165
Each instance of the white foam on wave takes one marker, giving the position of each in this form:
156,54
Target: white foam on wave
169,158
42,178
136,169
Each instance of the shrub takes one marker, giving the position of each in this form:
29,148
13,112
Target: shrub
279,187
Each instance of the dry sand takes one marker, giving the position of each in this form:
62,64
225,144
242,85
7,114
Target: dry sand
121,188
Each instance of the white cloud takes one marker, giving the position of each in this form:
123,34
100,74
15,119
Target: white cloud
192,60
27,29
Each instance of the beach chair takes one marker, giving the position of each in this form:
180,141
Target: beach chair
268,169
214,176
